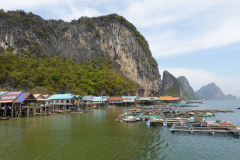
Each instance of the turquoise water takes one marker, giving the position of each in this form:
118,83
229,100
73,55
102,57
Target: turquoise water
96,135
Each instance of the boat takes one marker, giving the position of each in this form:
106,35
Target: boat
85,111
208,114
4,118
131,119
60,111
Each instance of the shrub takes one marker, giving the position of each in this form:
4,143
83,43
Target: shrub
90,23
97,33
10,49
10,20
64,28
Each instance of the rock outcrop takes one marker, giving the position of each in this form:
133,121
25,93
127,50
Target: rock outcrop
210,92
100,39
189,93
171,86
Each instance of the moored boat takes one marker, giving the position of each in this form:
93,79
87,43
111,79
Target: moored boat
4,118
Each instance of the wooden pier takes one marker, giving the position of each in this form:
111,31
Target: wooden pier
205,127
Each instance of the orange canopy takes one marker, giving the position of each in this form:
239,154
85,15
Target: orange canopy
169,98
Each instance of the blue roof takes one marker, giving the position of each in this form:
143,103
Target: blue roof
63,96
22,97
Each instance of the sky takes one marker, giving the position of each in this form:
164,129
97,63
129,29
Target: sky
196,39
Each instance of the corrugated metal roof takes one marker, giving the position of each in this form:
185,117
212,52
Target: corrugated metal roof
105,98
129,96
97,99
3,92
88,98
128,99
10,97
62,96
144,98
23,96
115,99
39,96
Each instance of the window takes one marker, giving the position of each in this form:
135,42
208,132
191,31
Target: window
61,101
67,101
72,101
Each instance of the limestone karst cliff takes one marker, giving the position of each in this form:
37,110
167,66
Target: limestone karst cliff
189,93
105,38
171,86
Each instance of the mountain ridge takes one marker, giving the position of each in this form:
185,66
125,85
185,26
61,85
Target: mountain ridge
210,92
104,38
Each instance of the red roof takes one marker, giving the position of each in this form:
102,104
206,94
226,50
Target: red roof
115,99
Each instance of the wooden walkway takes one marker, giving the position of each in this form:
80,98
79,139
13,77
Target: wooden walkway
211,130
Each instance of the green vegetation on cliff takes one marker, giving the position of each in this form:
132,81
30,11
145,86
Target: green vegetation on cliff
172,91
61,75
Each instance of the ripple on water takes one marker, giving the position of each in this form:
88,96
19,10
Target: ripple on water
97,136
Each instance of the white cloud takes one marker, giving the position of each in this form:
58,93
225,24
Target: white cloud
26,4
223,33
200,77
149,13
77,13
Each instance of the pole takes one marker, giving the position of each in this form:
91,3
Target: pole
20,110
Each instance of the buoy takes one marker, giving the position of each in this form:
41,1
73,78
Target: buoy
143,119
191,132
164,123
148,123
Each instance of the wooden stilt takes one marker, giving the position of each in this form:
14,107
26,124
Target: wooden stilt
20,111
12,111
40,110
27,112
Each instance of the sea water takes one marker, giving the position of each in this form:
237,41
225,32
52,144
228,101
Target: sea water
95,135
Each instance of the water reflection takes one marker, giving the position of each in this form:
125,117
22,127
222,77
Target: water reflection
95,135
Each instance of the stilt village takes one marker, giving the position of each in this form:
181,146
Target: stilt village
164,110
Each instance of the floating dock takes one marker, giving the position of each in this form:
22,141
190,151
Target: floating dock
211,127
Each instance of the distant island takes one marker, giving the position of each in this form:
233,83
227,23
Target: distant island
212,92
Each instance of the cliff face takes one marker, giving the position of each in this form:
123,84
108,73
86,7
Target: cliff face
171,86
210,91
97,39
189,93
